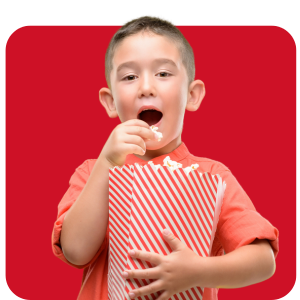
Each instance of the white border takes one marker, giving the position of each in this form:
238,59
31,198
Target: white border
16,13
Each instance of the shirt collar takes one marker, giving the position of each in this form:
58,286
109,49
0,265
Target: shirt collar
177,154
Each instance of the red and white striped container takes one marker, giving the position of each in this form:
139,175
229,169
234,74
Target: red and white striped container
145,200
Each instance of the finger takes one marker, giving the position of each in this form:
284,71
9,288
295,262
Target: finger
164,296
145,133
136,122
146,290
133,148
151,257
135,140
172,240
151,273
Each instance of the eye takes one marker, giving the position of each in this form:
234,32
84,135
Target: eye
129,77
164,74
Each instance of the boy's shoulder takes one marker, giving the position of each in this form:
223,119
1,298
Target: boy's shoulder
206,164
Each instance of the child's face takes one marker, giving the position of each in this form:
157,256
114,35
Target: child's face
147,70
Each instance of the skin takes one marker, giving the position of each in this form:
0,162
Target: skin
183,269
150,81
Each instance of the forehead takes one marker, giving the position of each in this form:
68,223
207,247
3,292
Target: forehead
146,46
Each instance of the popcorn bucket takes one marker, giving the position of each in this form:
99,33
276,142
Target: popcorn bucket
145,200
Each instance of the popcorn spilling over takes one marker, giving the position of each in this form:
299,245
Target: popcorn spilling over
154,129
173,165
156,166
192,167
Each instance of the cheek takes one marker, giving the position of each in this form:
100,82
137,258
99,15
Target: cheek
124,111
124,102
127,92
175,100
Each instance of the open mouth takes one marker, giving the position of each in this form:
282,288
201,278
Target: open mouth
150,116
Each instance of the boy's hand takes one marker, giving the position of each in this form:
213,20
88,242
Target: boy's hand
174,273
127,138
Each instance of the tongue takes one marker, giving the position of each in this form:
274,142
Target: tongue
150,116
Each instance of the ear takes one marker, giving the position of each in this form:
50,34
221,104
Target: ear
107,100
195,95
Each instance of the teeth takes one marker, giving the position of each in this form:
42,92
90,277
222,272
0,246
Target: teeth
148,109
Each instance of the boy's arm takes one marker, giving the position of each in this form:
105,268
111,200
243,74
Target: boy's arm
244,266
85,224
183,269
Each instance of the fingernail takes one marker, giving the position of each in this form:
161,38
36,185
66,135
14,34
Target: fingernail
166,231
156,136
131,295
131,252
125,274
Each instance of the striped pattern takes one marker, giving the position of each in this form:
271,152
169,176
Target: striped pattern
120,198
160,199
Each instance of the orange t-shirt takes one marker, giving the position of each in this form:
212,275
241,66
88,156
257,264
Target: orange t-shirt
239,223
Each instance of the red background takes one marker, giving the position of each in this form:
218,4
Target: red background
54,121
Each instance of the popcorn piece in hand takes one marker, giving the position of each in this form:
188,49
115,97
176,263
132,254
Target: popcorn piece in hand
154,129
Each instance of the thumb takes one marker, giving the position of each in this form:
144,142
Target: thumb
172,240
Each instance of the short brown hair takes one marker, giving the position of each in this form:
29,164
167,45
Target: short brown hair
157,26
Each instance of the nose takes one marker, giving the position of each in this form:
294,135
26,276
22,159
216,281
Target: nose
147,86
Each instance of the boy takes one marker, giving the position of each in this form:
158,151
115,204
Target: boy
150,74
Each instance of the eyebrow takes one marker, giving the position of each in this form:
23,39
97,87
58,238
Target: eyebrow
159,61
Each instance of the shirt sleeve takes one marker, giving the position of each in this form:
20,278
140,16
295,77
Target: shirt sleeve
76,184
239,222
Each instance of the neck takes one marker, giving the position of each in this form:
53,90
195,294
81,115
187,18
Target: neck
150,154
